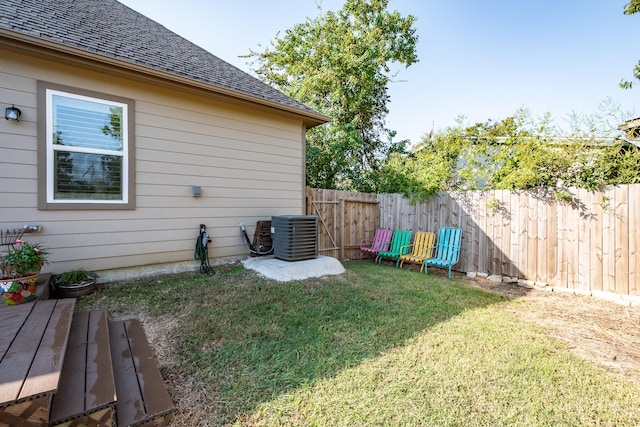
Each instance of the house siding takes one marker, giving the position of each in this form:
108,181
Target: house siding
249,163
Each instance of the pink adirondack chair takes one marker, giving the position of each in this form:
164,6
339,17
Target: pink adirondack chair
379,243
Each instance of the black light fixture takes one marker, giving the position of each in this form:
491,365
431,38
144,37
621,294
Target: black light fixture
12,113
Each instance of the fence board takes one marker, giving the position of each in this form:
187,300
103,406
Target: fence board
523,202
621,214
552,251
595,232
584,242
572,248
483,224
468,226
608,241
561,276
472,209
514,201
542,242
505,247
634,240
493,229
532,237
498,221
454,212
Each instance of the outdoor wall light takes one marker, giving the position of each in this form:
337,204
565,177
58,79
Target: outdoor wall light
196,191
12,113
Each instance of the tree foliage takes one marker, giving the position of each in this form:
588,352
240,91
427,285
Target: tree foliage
340,65
632,7
518,153
629,9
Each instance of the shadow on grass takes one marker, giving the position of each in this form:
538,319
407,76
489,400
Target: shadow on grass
249,339
269,338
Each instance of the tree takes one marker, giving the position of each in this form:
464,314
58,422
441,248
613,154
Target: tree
630,8
519,152
340,65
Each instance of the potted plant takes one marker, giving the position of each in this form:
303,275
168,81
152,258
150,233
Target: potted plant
21,266
74,283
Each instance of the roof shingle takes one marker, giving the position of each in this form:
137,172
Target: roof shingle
109,28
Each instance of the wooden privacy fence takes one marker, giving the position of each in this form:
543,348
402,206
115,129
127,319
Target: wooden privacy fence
588,242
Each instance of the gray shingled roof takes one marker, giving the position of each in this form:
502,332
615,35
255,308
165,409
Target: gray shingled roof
109,28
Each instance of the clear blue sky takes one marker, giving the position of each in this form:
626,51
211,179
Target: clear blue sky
481,58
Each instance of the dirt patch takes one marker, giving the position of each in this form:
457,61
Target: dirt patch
600,330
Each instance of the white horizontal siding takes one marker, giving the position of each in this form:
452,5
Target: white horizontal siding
248,163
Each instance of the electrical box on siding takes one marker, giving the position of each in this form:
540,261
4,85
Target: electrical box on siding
294,237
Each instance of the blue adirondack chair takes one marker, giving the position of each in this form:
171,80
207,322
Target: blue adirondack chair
397,246
447,249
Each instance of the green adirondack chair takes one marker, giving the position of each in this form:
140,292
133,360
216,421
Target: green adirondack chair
447,249
399,238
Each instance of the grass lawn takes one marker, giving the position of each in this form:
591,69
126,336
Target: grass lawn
375,346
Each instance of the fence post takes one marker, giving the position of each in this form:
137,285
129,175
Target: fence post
341,238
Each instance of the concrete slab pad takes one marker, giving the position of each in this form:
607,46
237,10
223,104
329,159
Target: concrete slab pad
284,271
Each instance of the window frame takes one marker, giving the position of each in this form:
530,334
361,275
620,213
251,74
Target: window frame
46,151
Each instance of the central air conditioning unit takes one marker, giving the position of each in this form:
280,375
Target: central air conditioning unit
294,237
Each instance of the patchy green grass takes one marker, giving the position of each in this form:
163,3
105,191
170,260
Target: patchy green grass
375,346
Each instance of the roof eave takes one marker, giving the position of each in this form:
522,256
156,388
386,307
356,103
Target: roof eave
630,124
45,48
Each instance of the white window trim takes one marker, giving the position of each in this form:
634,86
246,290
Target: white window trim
51,149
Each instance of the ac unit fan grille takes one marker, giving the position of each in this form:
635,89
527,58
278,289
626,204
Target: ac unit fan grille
295,237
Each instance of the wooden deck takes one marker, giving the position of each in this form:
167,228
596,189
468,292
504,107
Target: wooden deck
60,368
33,343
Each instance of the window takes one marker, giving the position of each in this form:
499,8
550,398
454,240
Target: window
88,147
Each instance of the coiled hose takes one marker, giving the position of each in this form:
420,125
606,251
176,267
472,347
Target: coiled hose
202,252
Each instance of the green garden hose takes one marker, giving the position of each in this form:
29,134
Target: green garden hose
202,252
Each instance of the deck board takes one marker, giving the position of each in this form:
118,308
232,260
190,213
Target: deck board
44,374
14,367
130,407
72,381
152,385
100,386
30,366
12,320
